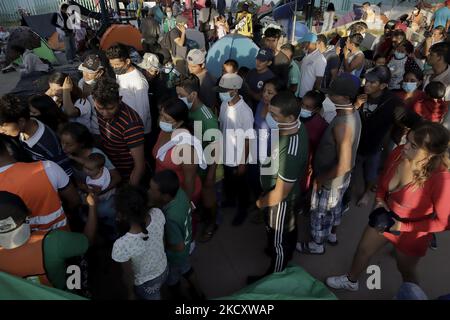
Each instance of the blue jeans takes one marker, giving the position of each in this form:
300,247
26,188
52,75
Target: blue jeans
150,290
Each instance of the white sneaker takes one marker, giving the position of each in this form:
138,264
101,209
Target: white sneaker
310,248
332,238
342,282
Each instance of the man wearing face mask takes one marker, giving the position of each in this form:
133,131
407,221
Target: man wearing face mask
332,169
133,87
39,256
236,124
200,114
93,69
281,180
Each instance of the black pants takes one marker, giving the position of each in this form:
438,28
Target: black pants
236,188
281,243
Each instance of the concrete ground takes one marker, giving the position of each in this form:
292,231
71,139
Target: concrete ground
223,264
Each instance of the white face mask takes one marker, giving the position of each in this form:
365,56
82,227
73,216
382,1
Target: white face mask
225,96
90,82
16,237
169,14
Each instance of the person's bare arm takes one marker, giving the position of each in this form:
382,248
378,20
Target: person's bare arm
68,107
334,73
139,165
90,228
318,83
189,172
275,196
128,279
70,197
356,63
182,39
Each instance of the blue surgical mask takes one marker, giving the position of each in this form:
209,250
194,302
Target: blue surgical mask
409,86
225,96
186,101
399,55
305,113
165,126
271,122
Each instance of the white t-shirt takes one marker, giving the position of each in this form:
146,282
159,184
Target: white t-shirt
134,92
313,65
31,62
147,256
232,118
85,108
94,122
103,182
57,176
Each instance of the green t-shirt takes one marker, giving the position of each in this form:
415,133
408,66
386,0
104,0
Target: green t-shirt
292,156
58,247
294,76
208,120
178,227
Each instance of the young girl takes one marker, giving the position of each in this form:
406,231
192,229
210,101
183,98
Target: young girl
222,28
141,248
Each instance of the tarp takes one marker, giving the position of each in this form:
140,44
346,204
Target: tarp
121,33
14,288
293,283
232,46
41,24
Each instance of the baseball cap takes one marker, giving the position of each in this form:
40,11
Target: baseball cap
149,60
13,212
229,81
265,54
91,64
196,56
181,19
309,37
345,84
379,73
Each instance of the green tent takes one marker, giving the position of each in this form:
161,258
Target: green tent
293,283
14,288
44,52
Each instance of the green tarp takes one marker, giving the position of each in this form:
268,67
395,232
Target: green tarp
14,288
43,51
293,283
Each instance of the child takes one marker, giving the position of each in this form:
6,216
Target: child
222,28
99,179
432,107
30,61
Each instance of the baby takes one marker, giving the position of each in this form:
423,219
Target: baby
97,175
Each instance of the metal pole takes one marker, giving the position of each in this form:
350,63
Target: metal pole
294,20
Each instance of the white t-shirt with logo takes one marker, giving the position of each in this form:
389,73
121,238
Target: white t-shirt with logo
313,65
134,92
231,118
103,182
148,257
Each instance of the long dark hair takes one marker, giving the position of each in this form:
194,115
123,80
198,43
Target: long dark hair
59,77
178,110
330,7
132,206
51,115
434,138
79,133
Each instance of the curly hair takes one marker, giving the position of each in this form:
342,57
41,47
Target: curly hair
106,92
434,138
118,51
12,109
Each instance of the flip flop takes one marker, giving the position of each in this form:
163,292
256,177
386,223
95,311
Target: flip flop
304,248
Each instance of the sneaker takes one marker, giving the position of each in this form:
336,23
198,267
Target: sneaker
310,247
342,282
332,239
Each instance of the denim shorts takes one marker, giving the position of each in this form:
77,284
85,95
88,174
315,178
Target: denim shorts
177,271
150,290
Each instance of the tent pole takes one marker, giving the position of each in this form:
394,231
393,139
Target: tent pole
294,20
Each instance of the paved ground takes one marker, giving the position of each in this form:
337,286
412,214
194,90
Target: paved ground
223,264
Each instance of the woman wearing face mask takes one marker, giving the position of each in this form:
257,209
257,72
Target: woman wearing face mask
177,149
400,63
413,189
315,126
69,98
411,88
169,21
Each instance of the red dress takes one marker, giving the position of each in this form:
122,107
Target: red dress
422,210
168,164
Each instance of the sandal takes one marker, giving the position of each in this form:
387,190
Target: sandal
303,247
208,233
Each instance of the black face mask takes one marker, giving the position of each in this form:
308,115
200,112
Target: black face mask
121,70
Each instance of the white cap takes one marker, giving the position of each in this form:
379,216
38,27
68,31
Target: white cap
229,81
196,56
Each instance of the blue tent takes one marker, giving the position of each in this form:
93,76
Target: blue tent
232,46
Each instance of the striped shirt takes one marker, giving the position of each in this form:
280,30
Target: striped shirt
44,145
119,135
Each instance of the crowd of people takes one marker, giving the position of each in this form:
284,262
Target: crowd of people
143,157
